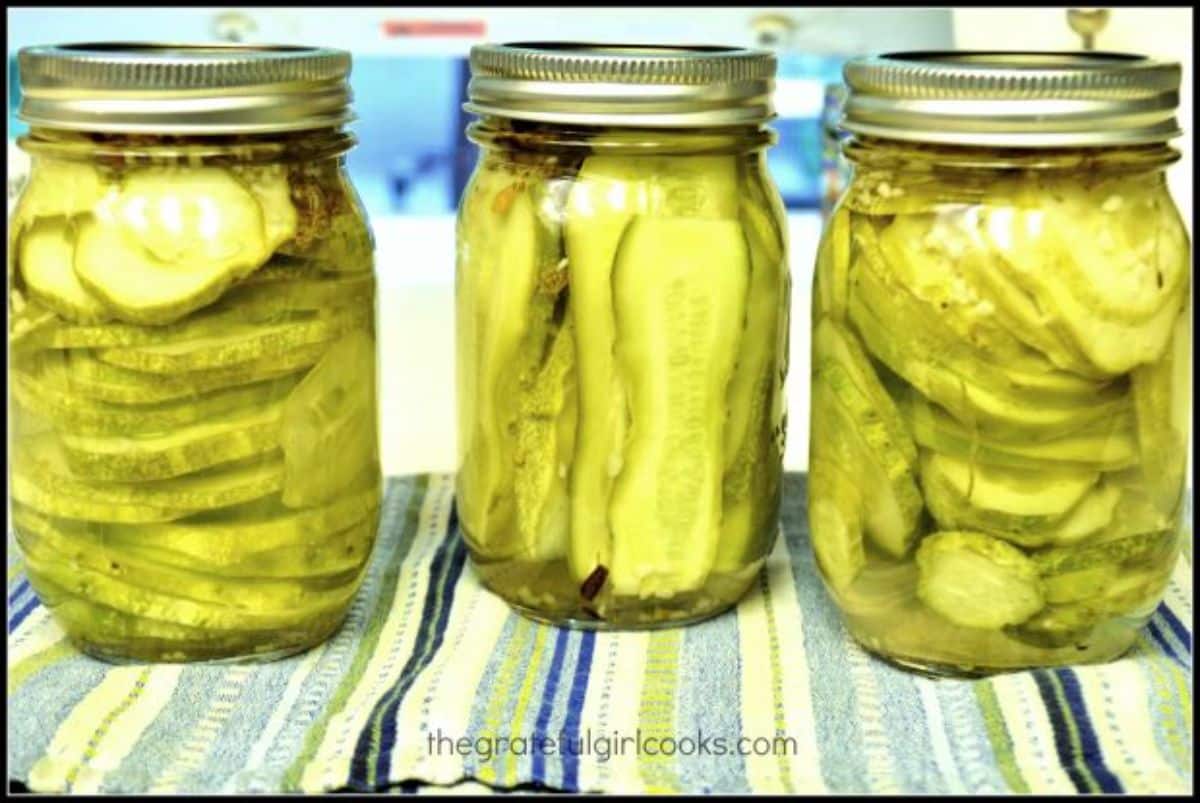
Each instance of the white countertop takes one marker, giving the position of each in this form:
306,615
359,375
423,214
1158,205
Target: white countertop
415,263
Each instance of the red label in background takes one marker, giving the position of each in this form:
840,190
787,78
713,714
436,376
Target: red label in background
434,28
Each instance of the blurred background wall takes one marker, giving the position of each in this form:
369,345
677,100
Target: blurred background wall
409,80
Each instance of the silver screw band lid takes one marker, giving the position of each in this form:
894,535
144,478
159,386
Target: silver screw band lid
622,84
160,88
1013,99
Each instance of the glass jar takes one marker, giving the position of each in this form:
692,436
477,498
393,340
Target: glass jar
195,470
1001,346
622,315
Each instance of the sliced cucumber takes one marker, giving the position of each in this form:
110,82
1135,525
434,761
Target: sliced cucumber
31,491
111,383
61,188
46,543
753,463
42,460
1128,549
679,294
236,346
835,523
853,430
46,252
187,449
238,534
170,242
1105,446
102,588
261,302
975,580
45,388
268,183
1162,394
496,296
539,475
1110,266
832,282
608,191
329,428
1019,505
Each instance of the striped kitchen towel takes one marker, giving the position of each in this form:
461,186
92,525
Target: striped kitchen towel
433,681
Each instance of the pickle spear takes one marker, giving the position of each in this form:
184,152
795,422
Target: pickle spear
679,294
607,193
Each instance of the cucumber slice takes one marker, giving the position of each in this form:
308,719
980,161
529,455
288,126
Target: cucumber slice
248,302
239,534
860,433
43,461
111,383
241,611
835,523
1018,505
539,457
753,463
975,580
30,491
679,294
1105,446
1111,272
170,242
608,192
46,542
1128,549
1162,394
833,267
28,321
46,389
1060,589
505,256
329,424
46,252
61,188
269,186
236,346
1127,594
119,458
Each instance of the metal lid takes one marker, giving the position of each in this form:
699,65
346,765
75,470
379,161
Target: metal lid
184,89
622,84
1013,99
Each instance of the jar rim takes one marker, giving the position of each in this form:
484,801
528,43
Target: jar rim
622,84
184,88
1026,99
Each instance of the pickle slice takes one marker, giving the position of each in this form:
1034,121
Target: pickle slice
329,426
171,241
46,253
501,289
237,345
187,449
269,186
862,433
261,302
51,501
1107,445
43,461
44,388
1163,399
46,543
835,516
237,534
111,383
975,580
243,610
679,294
752,462
1017,504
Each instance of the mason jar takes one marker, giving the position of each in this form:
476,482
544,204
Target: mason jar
622,301
195,466
1001,349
